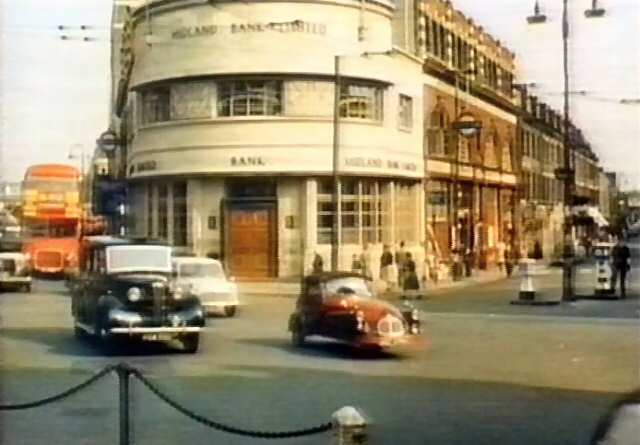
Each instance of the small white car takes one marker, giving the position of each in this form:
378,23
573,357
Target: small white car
205,278
14,271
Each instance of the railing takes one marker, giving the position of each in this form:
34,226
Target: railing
348,424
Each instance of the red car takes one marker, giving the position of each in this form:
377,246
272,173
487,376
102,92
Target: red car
343,306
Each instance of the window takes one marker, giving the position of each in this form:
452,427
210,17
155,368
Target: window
162,211
155,105
437,201
405,111
405,208
362,211
180,214
349,206
325,211
190,100
150,210
435,134
250,98
361,101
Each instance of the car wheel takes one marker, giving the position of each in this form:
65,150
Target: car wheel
191,342
230,311
298,337
26,288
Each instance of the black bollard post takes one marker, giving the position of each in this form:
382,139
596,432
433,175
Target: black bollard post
123,380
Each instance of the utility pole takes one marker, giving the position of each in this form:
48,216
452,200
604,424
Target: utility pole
568,272
335,201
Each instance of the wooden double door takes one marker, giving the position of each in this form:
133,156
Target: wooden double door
251,239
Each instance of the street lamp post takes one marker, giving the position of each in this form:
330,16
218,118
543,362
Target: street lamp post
465,126
335,240
567,275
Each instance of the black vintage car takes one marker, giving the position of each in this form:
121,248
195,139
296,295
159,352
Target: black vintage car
343,306
124,291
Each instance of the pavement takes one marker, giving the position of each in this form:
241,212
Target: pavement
291,288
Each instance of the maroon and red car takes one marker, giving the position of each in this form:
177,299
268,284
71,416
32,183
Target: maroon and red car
343,306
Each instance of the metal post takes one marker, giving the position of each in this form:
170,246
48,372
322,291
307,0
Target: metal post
457,233
567,275
123,380
335,239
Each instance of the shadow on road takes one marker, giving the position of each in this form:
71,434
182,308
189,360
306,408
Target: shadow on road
325,349
63,342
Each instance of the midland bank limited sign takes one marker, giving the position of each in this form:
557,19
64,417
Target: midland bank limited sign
294,26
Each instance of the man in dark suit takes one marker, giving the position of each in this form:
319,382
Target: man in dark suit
621,258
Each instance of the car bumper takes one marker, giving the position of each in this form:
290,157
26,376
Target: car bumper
150,330
14,280
172,323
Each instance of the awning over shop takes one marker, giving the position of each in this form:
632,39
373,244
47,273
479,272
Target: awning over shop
591,212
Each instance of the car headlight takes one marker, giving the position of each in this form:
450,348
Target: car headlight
134,294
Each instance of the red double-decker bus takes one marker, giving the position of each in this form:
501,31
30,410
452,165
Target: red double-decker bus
51,217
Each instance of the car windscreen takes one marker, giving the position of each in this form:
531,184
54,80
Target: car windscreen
201,270
130,258
349,286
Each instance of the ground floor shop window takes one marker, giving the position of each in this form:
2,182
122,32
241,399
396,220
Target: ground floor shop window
163,220
180,214
362,211
405,209
150,210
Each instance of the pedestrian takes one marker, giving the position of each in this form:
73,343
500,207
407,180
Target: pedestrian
621,258
318,263
508,260
401,256
365,262
386,266
501,248
410,281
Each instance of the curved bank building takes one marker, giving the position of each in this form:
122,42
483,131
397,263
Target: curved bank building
231,133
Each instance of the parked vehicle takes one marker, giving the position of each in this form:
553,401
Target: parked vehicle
14,272
205,278
343,306
124,290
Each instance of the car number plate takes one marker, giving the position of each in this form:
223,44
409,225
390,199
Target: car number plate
156,337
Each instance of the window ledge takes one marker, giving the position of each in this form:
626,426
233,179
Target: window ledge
240,119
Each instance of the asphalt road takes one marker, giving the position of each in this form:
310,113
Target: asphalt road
509,376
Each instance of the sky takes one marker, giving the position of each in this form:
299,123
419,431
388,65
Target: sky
604,61
54,93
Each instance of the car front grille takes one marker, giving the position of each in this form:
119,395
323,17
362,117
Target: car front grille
390,326
159,295
8,266
49,259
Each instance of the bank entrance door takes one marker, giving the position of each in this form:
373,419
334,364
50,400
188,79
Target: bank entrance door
250,235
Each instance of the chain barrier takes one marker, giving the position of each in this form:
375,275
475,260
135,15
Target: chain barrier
62,395
125,370
229,429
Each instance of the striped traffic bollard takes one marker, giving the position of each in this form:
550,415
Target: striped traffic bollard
527,289
350,426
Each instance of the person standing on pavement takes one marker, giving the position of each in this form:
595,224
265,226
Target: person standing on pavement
318,263
410,277
621,257
401,257
386,266
501,248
